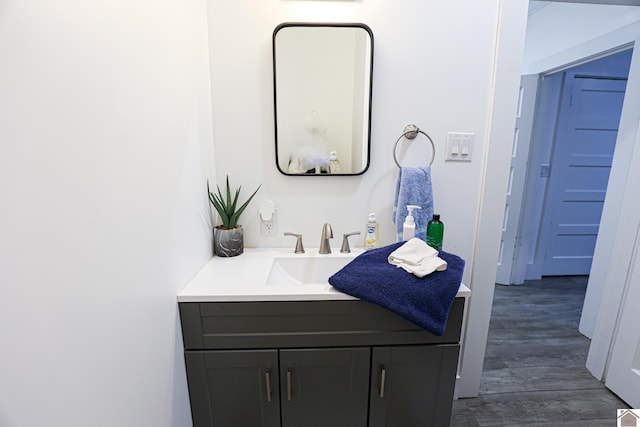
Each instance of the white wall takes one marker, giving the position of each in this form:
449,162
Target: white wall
563,33
105,131
434,65
105,136
417,79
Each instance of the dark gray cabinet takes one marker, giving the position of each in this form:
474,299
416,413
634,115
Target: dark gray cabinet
316,363
412,385
234,388
324,387
246,387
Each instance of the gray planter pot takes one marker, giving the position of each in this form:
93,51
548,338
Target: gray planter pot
228,243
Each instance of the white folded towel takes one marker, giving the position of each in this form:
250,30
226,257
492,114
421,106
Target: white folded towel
418,258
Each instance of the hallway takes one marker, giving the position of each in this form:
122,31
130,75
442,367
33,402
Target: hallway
534,371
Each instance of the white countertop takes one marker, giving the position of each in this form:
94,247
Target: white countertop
242,278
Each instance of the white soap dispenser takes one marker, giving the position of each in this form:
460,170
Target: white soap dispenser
409,226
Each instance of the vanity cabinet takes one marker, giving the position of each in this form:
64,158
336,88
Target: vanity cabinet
412,385
324,387
269,388
316,363
232,388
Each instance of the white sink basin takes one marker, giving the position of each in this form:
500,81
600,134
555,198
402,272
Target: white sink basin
306,269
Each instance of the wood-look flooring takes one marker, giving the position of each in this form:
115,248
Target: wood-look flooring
534,369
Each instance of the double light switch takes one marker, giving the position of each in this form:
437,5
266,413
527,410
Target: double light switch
460,146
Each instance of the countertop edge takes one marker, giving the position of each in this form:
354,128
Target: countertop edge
325,295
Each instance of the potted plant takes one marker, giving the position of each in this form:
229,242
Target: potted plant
228,239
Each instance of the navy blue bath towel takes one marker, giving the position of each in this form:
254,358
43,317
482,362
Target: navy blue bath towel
424,301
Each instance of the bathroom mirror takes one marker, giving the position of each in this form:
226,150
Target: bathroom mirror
322,94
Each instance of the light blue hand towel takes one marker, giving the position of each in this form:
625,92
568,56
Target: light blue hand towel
413,188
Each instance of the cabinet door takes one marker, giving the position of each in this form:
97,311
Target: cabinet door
234,388
324,387
412,386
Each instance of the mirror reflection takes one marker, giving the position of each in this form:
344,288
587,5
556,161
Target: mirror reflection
322,95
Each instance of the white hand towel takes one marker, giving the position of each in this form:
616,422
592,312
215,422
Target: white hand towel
418,258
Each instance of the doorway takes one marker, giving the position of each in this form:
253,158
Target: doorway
559,175
557,45
575,126
588,99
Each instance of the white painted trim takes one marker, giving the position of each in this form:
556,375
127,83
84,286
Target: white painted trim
513,257
603,45
511,28
610,2
613,228
622,376
536,186
524,243
618,250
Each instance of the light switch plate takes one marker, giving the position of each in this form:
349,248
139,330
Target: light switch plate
459,146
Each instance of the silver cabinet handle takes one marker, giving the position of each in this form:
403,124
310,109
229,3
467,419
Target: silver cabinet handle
267,379
383,375
289,373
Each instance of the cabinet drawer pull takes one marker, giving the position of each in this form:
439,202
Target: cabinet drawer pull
289,373
383,375
267,379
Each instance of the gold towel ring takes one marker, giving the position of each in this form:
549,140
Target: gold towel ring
410,132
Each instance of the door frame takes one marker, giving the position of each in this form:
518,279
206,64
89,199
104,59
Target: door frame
510,34
511,246
621,373
535,191
618,251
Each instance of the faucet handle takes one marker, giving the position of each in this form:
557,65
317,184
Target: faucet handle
345,242
299,248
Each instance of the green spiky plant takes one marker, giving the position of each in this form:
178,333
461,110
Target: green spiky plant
227,206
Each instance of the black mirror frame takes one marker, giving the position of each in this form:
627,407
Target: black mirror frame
275,90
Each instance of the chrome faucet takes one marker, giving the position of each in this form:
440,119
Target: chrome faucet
327,233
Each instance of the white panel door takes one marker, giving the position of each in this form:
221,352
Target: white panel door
517,176
623,376
582,157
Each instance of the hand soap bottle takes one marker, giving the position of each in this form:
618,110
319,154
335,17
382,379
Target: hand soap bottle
435,232
371,236
409,226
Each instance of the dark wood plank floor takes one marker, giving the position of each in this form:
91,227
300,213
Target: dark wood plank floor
534,370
